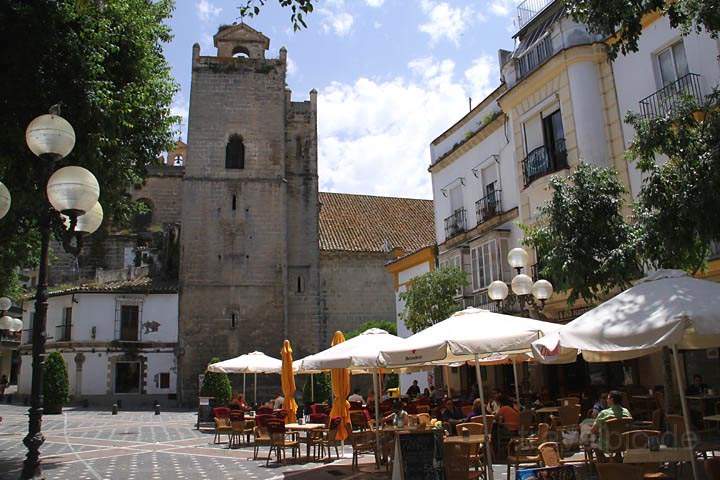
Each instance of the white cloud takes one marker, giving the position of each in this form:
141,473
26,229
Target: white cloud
377,25
180,108
374,135
336,21
445,21
291,66
482,77
503,8
374,3
206,11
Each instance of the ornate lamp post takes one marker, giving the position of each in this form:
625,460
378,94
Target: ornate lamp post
521,284
73,211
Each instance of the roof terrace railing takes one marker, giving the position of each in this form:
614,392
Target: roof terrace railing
528,9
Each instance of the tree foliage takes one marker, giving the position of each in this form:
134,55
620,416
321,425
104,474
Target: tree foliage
322,388
624,19
678,207
586,246
103,63
430,298
216,385
389,327
298,8
55,383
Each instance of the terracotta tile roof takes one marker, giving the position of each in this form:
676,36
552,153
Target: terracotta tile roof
363,223
136,285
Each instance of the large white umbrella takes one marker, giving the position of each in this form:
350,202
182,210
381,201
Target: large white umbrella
667,308
254,362
469,335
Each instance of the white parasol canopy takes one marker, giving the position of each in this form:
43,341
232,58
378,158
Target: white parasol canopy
255,362
359,354
666,308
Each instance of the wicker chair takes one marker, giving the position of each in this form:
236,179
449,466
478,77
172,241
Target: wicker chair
477,453
279,441
330,440
423,418
363,442
457,461
515,458
261,438
616,427
222,426
638,438
239,429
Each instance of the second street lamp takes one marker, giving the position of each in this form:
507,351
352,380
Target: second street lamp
73,210
521,284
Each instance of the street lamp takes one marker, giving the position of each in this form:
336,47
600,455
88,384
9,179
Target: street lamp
6,321
73,211
521,284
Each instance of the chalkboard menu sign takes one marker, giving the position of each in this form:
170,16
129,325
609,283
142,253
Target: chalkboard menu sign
421,454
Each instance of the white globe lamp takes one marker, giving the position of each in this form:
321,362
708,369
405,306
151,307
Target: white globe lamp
498,291
5,200
542,290
88,222
6,322
50,135
517,258
5,304
73,190
521,284
17,325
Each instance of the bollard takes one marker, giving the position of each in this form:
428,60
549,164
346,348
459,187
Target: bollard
114,409
157,409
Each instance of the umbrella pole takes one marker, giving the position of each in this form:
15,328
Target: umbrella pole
488,453
244,397
376,384
686,417
312,388
255,390
517,385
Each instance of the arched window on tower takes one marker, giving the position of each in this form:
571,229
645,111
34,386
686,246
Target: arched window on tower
235,152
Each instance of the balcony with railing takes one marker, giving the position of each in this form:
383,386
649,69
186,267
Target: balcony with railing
455,223
528,9
63,333
544,160
534,56
669,98
489,206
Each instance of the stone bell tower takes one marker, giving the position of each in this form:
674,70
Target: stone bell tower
249,259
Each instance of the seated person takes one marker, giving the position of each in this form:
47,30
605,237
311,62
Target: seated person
277,403
615,410
413,390
398,417
493,405
356,397
697,387
238,403
476,410
598,406
426,393
448,411
370,397
436,394
508,415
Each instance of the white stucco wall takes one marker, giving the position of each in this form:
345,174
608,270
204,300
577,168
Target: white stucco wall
472,123
588,112
636,74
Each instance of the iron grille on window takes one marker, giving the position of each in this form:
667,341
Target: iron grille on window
544,160
668,98
455,223
489,206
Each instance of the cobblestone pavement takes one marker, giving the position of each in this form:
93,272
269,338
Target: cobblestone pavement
95,445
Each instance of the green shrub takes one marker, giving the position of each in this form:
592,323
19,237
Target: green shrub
216,385
55,383
323,388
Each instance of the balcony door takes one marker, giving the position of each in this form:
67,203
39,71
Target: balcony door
672,63
554,135
456,198
128,329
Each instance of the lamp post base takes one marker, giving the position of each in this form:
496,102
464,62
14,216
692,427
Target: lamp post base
32,468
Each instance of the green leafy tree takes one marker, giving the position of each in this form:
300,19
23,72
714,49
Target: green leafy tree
623,19
323,388
587,247
389,327
55,383
678,205
102,61
430,298
216,385
298,8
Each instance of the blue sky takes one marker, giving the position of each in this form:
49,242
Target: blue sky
391,76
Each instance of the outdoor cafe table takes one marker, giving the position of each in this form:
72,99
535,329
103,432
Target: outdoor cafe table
546,411
703,400
306,428
477,439
664,454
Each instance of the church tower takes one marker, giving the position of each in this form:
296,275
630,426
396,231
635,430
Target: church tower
249,259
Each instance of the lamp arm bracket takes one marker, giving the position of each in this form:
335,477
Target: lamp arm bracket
72,241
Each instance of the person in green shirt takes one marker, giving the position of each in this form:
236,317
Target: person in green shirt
615,410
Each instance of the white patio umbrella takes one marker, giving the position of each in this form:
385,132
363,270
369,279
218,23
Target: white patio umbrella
359,355
469,335
667,308
254,362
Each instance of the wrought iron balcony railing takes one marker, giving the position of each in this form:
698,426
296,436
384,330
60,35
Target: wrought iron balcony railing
489,206
668,98
534,56
455,223
544,160
527,10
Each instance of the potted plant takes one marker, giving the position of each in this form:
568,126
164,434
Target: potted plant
55,384
217,386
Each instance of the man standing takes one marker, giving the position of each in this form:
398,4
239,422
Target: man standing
414,390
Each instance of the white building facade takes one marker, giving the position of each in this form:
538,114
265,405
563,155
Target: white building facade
118,341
